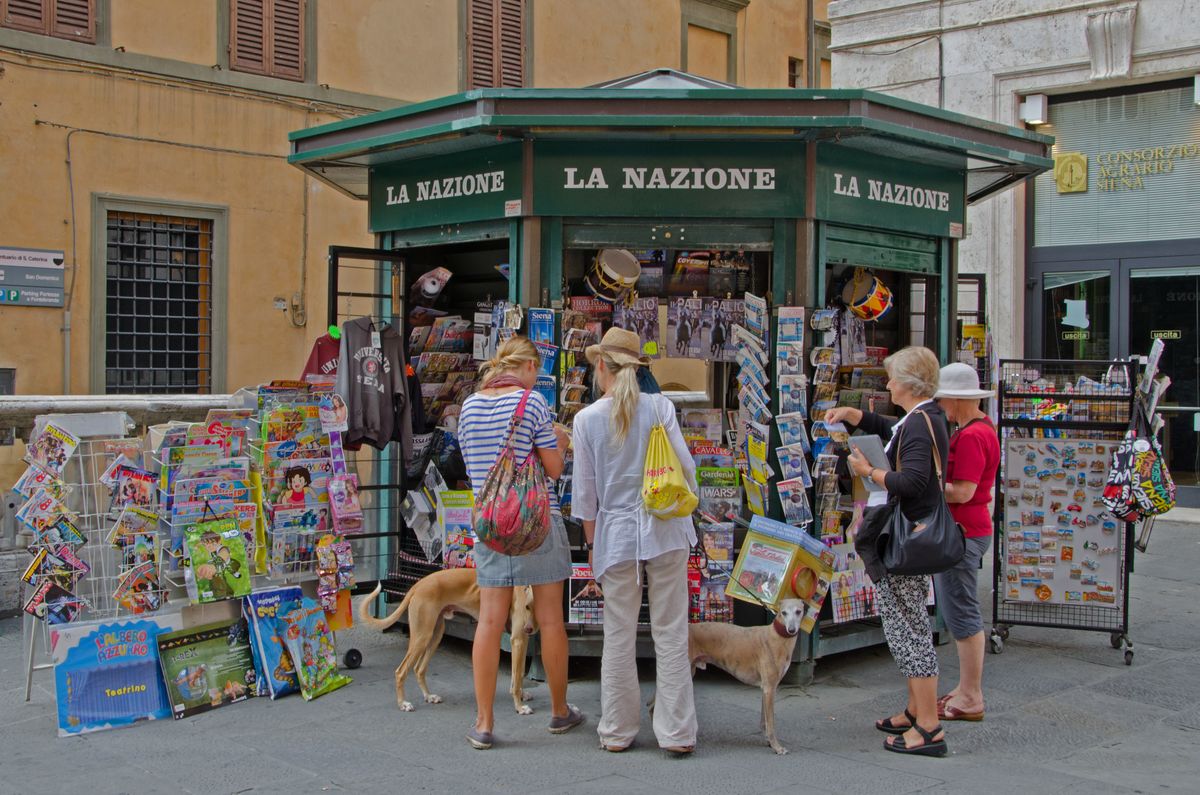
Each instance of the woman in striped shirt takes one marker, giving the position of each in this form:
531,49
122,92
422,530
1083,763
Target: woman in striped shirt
482,430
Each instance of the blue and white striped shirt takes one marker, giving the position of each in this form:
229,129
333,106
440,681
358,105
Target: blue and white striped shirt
483,426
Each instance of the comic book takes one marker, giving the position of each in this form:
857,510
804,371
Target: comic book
685,337
641,317
62,530
38,477
139,591
52,448
310,643
720,493
264,611
586,599
219,564
207,667
52,603
41,511
47,565
133,487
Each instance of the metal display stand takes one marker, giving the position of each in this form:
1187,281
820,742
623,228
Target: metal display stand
1060,422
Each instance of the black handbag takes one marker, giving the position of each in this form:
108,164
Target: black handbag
933,544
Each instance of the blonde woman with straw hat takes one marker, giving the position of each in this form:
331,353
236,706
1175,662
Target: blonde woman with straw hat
610,440
505,389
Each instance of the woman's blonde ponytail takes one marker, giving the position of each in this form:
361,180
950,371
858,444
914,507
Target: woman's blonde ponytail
510,356
625,394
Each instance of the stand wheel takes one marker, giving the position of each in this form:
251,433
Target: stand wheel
1001,630
1129,657
1116,640
996,644
353,658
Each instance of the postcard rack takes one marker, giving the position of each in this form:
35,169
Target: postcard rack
1061,560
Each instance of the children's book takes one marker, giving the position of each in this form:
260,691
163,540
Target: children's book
264,611
310,642
219,564
207,667
52,448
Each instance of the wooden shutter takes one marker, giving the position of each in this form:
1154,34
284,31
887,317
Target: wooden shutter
74,19
287,39
481,43
30,15
511,63
247,36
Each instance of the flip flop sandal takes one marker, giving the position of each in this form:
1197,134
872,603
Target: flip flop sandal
888,727
947,712
930,747
943,699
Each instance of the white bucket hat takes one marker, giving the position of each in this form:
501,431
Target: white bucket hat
960,380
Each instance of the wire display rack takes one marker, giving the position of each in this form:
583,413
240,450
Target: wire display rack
1061,560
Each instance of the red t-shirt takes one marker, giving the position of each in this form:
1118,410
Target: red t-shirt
974,456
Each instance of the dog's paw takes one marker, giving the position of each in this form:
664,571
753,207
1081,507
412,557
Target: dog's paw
433,698
524,709
779,749
406,706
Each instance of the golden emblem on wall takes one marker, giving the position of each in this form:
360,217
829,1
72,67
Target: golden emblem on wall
1071,172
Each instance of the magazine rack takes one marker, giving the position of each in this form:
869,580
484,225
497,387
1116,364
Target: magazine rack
1060,559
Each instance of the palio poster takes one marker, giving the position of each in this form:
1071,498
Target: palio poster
106,674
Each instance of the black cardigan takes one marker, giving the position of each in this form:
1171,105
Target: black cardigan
916,486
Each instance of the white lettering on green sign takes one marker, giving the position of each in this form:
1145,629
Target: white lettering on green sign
893,193
449,187
645,178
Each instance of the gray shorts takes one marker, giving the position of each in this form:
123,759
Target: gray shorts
551,562
957,591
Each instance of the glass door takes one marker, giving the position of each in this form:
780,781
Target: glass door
1164,303
1076,314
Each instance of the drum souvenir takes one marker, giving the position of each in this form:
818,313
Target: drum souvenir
614,272
867,297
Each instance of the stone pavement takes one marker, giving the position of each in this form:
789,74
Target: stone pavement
1064,714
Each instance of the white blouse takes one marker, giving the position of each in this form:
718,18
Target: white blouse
606,484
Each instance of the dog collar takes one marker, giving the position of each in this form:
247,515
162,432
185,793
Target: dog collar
781,630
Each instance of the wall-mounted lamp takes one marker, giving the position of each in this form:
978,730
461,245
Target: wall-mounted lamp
1033,109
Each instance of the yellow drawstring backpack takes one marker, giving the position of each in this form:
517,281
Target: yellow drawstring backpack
665,491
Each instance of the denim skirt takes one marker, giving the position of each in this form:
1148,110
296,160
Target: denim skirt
551,562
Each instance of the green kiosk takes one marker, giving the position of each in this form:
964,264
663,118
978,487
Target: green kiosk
519,193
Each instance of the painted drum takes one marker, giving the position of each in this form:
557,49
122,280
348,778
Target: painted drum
867,296
614,272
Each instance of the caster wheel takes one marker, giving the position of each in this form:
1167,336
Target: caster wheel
1002,631
1129,658
996,644
353,658
1116,640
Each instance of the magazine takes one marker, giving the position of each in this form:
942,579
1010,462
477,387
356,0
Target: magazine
762,568
871,446
720,493
138,590
263,611
794,500
207,667
293,534
586,605
454,519
756,317
790,324
219,564
686,333
641,317
690,274
701,424
52,448
793,463
709,455
793,395
789,359
38,477
52,603
792,429
722,315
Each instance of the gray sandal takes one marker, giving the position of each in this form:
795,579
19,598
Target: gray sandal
480,741
567,722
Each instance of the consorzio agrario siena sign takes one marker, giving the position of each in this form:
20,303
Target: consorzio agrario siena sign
468,186
668,178
859,188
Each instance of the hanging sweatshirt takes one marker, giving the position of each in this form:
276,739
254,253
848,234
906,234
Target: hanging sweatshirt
323,358
372,380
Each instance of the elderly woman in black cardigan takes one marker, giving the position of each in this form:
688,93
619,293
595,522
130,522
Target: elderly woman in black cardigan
912,381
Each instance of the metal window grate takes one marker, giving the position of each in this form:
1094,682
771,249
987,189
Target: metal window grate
158,334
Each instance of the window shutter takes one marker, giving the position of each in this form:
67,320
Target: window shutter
481,44
30,15
74,19
287,39
247,36
512,44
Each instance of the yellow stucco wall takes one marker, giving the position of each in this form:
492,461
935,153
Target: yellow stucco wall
184,30
263,195
708,53
402,48
580,42
777,30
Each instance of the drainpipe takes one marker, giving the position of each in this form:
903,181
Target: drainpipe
810,45
66,364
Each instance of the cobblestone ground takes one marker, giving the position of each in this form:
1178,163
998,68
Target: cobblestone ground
1064,714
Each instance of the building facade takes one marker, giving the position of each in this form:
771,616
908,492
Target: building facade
157,240
1100,257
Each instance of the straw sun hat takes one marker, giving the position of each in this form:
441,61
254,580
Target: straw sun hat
625,347
960,380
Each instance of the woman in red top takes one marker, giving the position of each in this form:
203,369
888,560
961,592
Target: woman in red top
970,475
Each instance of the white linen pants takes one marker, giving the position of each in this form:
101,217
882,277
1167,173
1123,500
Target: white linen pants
620,695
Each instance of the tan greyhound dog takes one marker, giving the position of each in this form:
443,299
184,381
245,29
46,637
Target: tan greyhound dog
757,656
435,598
